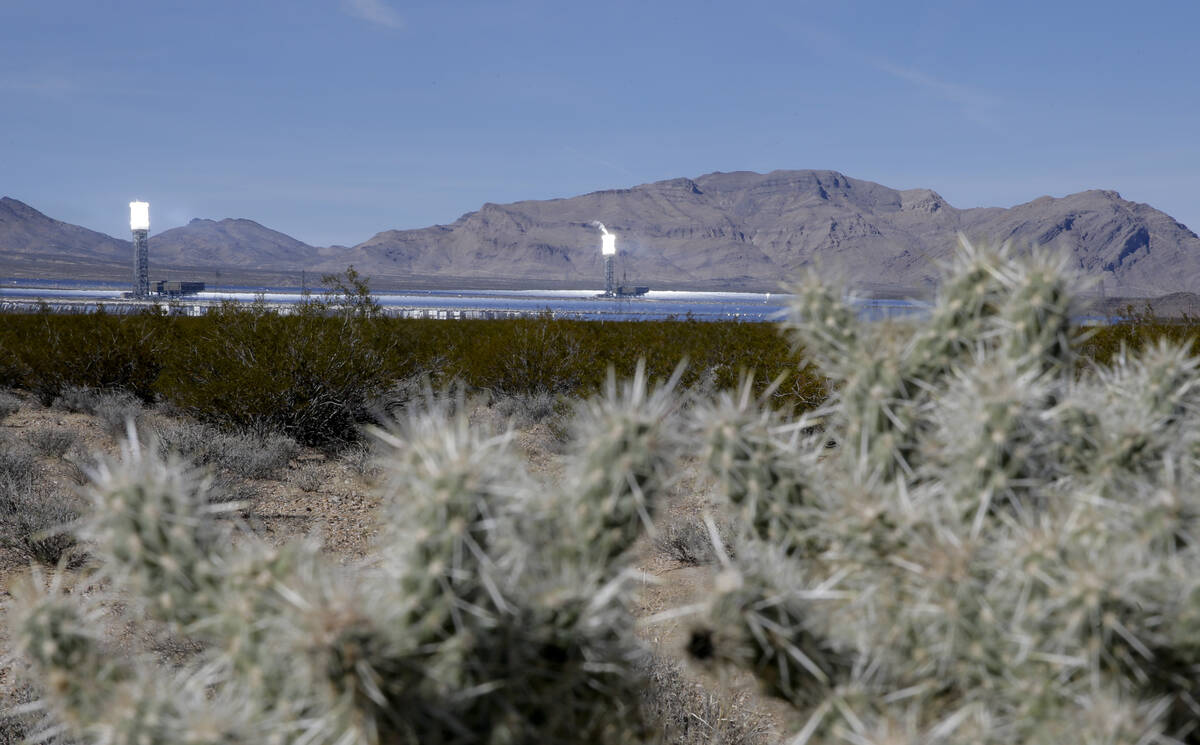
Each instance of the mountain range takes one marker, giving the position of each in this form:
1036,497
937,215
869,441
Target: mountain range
729,231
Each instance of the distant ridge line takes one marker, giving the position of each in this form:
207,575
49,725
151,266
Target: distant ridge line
723,231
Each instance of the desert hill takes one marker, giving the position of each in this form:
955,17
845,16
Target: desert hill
230,243
738,230
44,247
755,229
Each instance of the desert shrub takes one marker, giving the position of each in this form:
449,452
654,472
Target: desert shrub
16,461
251,455
52,442
13,371
308,477
229,489
34,523
9,405
529,355
390,403
113,408
687,540
1136,330
361,459
115,411
51,352
524,409
77,399
307,375
543,355
335,364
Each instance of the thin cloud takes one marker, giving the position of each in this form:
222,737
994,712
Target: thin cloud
977,105
74,85
39,84
376,12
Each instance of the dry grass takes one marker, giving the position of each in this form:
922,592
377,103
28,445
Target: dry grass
242,454
32,521
9,405
687,542
52,442
308,477
690,714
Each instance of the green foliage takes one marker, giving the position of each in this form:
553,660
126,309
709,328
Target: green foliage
330,367
306,375
347,294
46,352
1136,330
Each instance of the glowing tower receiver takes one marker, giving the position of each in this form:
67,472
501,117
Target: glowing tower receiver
139,223
608,249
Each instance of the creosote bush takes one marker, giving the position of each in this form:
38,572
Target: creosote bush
48,353
309,375
1002,546
321,373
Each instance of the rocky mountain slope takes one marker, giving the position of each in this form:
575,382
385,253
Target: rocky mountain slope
31,240
230,243
755,229
720,231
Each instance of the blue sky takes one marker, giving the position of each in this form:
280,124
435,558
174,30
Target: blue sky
331,120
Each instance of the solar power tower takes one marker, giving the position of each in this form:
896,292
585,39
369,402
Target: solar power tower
139,222
608,247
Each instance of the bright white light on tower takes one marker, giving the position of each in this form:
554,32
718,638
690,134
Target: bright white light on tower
608,244
139,215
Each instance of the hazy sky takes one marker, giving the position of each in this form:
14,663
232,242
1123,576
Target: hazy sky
334,119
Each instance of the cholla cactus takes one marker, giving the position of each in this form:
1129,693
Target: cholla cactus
769,621
1002,548
621,464
495,609
762,459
